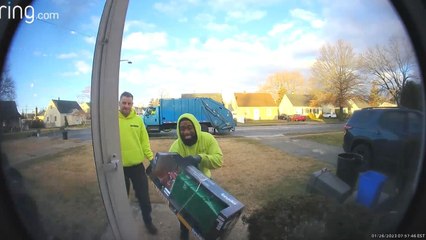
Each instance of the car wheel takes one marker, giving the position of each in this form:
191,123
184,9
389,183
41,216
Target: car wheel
365,151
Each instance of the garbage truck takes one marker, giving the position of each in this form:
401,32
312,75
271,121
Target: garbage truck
210,114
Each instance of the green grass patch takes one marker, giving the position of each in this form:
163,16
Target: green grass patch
294,184
334,138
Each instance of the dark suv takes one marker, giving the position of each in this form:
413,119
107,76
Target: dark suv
388,138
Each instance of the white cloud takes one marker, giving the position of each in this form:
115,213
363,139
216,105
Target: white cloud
67,55
219,65
218,27
307,16
90,40
233,5
167,8
204,18
138,25
246,16
134,76
39,54
83,67
145,41
280,28
183,20
175,7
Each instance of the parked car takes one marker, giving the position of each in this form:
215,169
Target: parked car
329,115
284,117
389,139
298,117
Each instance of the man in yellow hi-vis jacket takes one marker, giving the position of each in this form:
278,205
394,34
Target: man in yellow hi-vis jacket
135,148
197,148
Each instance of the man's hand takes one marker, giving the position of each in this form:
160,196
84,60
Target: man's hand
190,160
149,169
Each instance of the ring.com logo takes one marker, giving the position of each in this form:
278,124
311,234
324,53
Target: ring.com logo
28,13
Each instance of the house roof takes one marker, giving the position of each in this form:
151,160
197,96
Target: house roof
254,100
299,100
41,113
360,103
65,106
8,110
215,96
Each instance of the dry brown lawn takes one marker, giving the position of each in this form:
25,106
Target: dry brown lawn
65,186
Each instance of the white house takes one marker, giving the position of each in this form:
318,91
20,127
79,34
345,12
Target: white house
58,112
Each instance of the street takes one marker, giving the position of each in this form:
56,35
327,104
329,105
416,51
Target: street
283,130
282,137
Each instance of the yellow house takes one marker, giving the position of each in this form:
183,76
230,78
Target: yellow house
254,106
40,115
85,106
298,104
388,104
86,109
356,104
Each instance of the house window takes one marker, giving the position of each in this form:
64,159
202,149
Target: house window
47,119
55,119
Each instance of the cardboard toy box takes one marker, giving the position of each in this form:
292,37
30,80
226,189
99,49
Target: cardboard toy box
204,207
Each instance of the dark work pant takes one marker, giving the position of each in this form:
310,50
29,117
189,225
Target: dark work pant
184,232
137,175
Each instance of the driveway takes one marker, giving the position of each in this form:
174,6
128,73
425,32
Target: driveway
285,138
304,148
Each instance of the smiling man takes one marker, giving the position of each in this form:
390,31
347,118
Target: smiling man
197,148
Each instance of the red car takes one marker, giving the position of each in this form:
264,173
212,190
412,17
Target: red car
298,117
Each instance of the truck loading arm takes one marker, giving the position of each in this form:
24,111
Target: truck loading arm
213,112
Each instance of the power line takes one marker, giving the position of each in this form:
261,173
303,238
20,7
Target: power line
64,28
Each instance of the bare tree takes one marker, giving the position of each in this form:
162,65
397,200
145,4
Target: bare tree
336,74
7,86
84,96
375,98
280,83
393,65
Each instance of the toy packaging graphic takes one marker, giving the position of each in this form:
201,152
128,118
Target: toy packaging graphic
200,204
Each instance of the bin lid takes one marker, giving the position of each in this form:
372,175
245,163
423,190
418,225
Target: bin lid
350,156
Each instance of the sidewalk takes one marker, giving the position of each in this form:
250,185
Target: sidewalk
168,225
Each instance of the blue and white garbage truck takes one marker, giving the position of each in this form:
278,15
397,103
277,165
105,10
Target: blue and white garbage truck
210,114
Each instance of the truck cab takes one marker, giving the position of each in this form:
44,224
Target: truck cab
151,119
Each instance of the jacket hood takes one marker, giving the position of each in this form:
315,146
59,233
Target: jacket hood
194,121
131,114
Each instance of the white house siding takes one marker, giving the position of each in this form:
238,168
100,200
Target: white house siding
52,117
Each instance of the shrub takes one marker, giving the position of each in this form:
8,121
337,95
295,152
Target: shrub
36,124
310,217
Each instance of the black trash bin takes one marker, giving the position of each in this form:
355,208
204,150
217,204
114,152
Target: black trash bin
65,135
348,167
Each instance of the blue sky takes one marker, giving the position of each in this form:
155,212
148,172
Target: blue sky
188,46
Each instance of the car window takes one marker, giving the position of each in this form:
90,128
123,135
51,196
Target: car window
414,123
394,121
361,118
